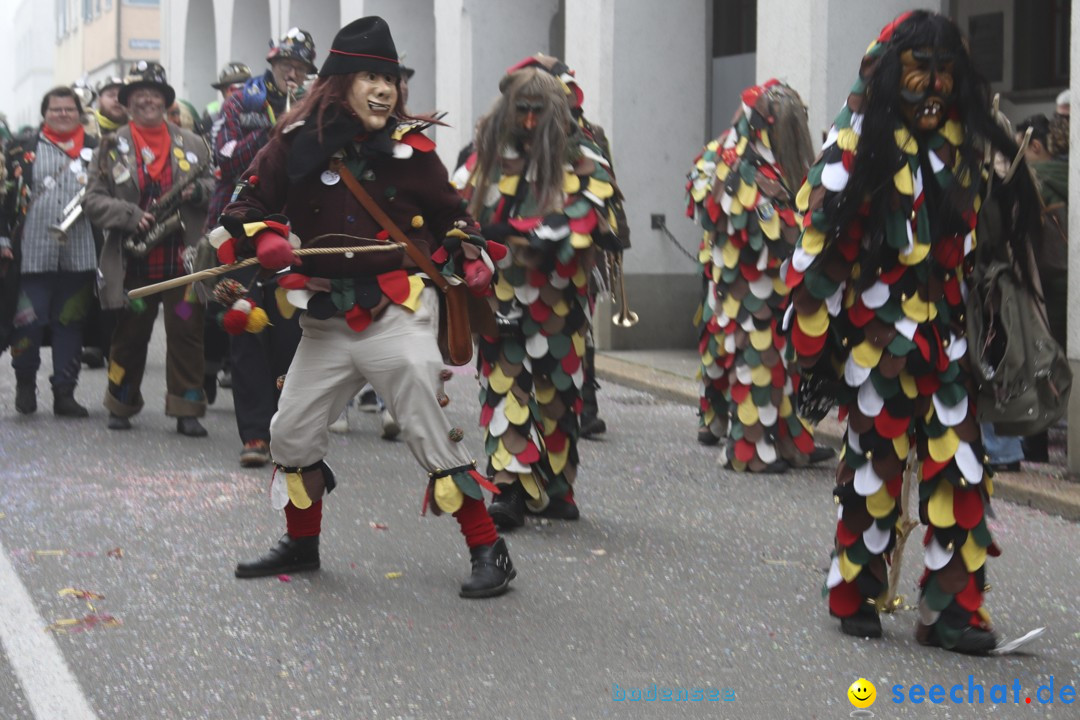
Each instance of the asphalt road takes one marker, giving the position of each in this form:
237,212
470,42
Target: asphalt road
679,574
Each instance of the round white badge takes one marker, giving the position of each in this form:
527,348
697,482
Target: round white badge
75,166
49,182
329,177
122,145
86,153
192,157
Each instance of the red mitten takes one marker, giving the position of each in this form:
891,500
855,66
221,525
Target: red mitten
274,252
477,274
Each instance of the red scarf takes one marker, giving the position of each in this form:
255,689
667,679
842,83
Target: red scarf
157,139
71,143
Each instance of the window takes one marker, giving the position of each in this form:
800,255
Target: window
1041,44
734,27
87,10
143,2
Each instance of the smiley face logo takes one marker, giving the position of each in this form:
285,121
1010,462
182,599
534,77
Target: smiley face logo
862,693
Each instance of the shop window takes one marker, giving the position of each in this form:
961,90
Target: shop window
1041,44
734,27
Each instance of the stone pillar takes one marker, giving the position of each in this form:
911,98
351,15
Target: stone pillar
651,95
475,42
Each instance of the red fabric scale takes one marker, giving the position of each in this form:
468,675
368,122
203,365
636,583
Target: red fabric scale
571,363
395,285
293,281
358,318
418,141
844,599
744,451
806,345
525,224
888,426
585,224
968,506
927,384
844,536
537,278
804,441
970,598
539,312
556,441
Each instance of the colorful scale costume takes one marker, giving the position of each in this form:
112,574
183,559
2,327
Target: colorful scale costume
531,377
738,194
888,333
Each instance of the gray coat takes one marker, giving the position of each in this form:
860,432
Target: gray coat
112,200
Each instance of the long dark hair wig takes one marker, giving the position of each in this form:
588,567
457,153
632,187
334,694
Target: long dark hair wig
879,158
332,94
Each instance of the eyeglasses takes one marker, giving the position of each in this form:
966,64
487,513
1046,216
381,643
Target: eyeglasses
63,111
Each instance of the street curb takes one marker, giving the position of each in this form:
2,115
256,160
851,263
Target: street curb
1049,491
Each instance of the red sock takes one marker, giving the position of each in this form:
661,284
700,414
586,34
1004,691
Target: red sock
569,496
303,523
476,524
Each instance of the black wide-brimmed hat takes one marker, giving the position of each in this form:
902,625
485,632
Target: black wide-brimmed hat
296,44
363,45
146,74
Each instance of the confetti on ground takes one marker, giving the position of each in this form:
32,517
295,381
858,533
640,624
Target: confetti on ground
393,575
378,526
599,551
81,594
117,553
70,626
285,578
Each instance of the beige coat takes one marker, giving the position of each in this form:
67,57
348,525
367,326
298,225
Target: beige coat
112,200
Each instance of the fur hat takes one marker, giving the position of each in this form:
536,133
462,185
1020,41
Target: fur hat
364,45
146,74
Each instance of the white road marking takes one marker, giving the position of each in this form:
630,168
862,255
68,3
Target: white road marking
50,688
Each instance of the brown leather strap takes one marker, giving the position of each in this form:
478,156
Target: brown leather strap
422,261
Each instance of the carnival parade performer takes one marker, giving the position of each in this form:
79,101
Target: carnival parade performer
48,173
742,190
878,282
545,188
150,174
369,317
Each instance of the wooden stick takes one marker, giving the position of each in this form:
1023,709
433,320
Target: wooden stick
892,599
223,269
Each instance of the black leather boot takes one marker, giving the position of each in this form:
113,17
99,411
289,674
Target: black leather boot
190,426
289,555
507,508
26,396
971,640
865,623
65,404
492,571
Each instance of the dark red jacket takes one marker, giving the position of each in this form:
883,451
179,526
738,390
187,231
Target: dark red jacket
415,192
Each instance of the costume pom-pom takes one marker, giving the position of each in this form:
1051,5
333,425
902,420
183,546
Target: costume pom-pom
138,305
228,291
235,322
257,320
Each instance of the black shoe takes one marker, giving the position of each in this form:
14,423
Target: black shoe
507,508
190,426
1036,447
865,623
289,555
26,397
706,437
118,422
561,509
820,453
65,405
970,641
776,467
1005,467
209,387
93,358
492,571
592,425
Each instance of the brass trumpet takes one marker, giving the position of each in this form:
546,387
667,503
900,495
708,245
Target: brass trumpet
72,212
626,317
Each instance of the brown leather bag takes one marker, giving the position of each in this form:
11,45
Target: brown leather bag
455,333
